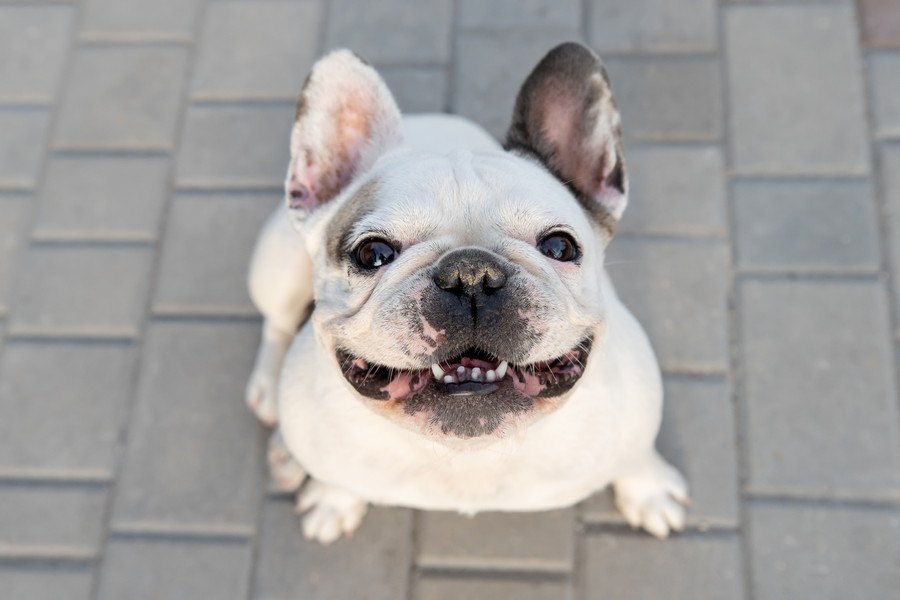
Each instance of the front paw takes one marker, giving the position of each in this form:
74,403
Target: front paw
653,498
261,396
330,512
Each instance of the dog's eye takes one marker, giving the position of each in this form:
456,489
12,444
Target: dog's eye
373,254
559,246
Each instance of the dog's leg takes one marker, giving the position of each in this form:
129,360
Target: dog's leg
287,474
653,496
330,511
280,283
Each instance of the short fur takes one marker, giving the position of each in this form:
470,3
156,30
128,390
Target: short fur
456,205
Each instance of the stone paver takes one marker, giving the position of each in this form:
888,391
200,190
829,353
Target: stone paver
824,551
799,410
374,564
148,569
806,226
143,143
697,566
50,520
183,468
669,99
251,145
33,44
207,250
654,26
89,197
21,145
775,132
138,20
541,541
677,288
884,81
274,58
698,437
80,290
33,582
122,98
70,396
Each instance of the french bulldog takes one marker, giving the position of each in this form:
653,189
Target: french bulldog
466,350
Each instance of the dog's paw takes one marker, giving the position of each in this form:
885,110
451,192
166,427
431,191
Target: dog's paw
287,474
330,512
653,498
261,397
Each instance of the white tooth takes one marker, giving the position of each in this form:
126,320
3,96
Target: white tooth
437,371
461,370
501,370
490,376
449,379
476,374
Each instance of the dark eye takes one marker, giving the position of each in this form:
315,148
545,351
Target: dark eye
559,246
373,254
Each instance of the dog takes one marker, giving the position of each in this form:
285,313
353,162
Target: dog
466,350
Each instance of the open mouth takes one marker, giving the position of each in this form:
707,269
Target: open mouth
473,372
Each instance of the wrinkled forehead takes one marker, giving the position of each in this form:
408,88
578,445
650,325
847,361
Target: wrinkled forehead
415,196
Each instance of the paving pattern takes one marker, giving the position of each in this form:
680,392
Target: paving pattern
142,143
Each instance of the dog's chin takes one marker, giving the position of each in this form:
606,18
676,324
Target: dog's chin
471,395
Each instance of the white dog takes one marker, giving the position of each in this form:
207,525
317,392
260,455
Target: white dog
466,350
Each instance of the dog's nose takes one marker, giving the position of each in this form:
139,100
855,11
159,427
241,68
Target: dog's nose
470,272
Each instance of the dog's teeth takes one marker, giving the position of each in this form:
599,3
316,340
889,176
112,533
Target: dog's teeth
476,374
449,379
490,376
501,370
460,369
437,371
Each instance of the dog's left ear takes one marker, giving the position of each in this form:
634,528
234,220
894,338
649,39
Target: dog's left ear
346,118
566,116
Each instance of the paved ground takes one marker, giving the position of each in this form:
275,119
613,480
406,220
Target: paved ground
142,144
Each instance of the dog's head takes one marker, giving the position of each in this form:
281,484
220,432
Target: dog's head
460,293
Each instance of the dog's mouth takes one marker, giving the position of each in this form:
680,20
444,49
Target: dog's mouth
470,393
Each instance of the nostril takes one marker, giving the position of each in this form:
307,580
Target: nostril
493,281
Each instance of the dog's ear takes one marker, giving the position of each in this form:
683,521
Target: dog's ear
346,118
566,116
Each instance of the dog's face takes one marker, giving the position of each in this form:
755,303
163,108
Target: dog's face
459,294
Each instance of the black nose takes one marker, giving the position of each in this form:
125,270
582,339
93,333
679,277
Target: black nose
470,272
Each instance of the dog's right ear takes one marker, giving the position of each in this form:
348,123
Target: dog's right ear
346,118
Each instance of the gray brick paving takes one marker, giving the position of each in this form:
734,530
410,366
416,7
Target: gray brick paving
697,436
272,61
181,467
678,290
47,520
206,252
654,26
630,566
80,290
142,143
374,564
884,81
675,190
251,142
69,396
824,551
24,135
541,540
41,582
775,132
148,569
806,226
33,44
798,410
668,98
126,97
102,197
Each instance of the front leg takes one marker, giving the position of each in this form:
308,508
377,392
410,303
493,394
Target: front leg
262,388
653,495
331,511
